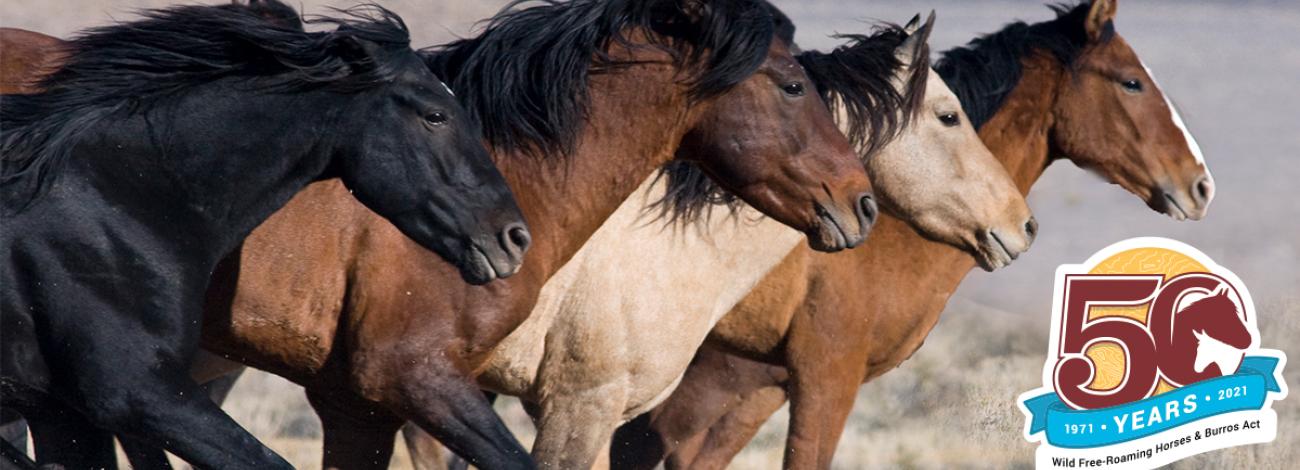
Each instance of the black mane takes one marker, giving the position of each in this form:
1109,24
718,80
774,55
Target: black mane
857,76
984,72
524,78
125,66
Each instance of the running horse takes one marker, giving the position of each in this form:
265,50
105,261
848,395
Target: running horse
623,87
572,360
150,154
812,331
619,323
327,295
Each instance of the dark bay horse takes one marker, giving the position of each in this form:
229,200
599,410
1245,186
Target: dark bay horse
814,330
580,101
152,152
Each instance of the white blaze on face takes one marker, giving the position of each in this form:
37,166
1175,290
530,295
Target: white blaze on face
1178,121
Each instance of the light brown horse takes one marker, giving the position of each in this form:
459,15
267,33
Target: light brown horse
379,331
813,330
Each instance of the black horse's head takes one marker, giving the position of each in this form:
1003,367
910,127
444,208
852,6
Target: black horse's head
396,135
413,155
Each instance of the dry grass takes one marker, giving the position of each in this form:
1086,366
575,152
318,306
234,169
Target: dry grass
951,406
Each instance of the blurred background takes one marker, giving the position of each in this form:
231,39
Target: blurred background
1230,65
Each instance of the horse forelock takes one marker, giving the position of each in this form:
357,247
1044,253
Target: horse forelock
858,76
525,76
130,64
985,71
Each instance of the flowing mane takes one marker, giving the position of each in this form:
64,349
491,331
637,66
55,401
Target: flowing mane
127,66
983,72
856,76
524,78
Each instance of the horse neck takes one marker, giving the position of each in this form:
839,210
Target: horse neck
1018,133
219,181
637,118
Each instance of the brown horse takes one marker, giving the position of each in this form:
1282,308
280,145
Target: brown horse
28,56
813,331
379,331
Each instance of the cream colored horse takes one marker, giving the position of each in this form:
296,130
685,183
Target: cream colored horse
615,329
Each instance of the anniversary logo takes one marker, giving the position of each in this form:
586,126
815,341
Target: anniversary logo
1154,356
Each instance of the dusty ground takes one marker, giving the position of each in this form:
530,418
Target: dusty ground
1231,67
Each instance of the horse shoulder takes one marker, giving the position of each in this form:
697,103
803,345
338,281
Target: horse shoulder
757,325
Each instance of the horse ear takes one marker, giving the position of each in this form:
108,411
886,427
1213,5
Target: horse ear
1200,335
915,44
1221,291
1100,18
359,53
913,24
277,12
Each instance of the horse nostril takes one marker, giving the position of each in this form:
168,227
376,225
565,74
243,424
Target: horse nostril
1031,227
1204,190
867,209
516,239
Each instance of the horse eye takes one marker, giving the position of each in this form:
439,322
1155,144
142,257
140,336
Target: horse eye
950,119
436,118
793,89
1132,86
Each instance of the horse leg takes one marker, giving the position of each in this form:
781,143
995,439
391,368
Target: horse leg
573,429
13,429
13,459
134,397
425,451
818,408
178,414
450,407
13,447
62,437
454,462
824,379
358,435
142,454
714,383
732,433
701,397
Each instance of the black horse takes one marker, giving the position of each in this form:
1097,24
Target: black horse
153,152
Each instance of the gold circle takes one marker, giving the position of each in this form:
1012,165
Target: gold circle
1109,357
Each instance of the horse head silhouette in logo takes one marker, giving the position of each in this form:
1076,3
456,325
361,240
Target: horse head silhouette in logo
1220,330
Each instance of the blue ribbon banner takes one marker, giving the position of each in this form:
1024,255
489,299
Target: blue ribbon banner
1077,429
